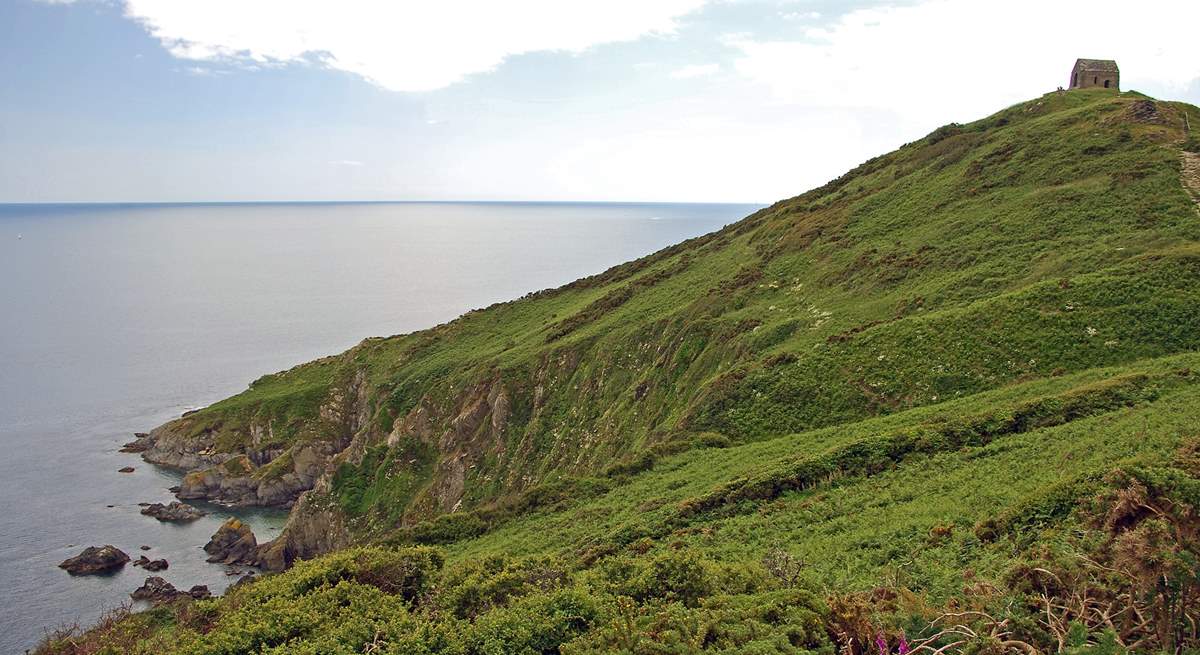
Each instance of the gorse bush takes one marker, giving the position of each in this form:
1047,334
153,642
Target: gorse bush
778,622
538,624
476,586
403,601
671,576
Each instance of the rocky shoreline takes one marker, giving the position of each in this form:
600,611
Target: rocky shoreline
227,480
254,478
263,473
234,544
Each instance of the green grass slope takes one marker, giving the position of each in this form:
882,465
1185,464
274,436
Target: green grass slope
950,398
1053,236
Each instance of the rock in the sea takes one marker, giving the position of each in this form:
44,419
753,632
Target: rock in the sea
176,511
157,590
95,559
126,469
233,543
151,564
144,547
200,592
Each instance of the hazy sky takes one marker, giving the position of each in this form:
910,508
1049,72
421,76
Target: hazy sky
674,100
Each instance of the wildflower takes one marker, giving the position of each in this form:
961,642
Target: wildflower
881,644
902,647
1091,331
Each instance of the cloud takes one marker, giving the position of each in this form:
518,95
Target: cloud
346,162
401,46
963,59
696,70
800,15
201,71
686,156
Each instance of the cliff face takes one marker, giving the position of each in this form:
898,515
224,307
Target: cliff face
1052,237
257,468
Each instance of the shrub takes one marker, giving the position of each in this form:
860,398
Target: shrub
538,624
676,576
778,622
448,528
477,586
408,572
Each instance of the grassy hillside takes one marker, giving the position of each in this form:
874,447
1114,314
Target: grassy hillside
950,397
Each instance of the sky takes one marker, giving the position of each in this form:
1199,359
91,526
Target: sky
589,100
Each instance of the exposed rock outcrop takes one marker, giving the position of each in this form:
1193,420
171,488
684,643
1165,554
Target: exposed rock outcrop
463,430
1146,111
151,564
157,591
240,482
315,526
140,443
259,470
175,511
199,592
95,559
233,543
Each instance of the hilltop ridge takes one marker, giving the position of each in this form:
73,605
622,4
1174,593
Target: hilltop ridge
913,379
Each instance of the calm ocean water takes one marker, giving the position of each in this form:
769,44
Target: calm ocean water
115,318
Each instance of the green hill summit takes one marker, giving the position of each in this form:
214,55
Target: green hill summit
949,399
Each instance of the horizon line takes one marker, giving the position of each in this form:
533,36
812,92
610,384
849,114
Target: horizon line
47,203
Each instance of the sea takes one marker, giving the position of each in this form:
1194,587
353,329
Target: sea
115,318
